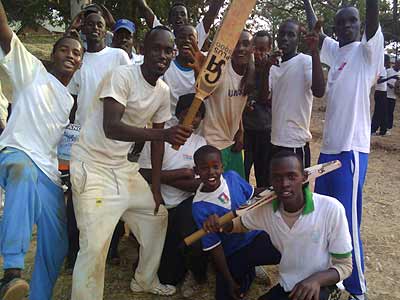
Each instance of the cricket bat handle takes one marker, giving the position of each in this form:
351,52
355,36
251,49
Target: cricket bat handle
201,232
194,108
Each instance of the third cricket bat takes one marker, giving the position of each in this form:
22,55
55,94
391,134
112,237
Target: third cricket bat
219,54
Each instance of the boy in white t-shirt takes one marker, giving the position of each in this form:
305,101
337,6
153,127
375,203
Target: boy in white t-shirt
124,30
178,185
222,126
98,60
107,187
293,83
354,67
28,163
180,75
178,16
308,229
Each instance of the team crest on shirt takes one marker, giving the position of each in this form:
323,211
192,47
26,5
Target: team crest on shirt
223,198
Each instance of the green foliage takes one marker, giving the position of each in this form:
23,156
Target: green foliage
268,14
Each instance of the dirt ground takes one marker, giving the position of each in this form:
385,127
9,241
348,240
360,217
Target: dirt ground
380,230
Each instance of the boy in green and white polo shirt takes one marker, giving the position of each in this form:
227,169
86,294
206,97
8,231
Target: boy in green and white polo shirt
310,231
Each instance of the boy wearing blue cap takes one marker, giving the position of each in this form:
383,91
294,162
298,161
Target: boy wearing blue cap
124,30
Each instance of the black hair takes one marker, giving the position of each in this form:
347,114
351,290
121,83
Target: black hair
292,21
263,33
147,37
205,150
176,31
73,35
285,154
175,4
185,101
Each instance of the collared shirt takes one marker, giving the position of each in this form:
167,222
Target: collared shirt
320,232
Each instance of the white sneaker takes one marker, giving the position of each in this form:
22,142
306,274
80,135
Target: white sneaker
159,289
388,133
189,286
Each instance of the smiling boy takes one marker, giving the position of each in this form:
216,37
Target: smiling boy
235,256
28,163
308,229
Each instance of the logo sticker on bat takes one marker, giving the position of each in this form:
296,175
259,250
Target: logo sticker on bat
215,68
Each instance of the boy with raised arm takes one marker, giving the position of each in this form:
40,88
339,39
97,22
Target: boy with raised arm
293,84
354,67
178,16
308,229
28,163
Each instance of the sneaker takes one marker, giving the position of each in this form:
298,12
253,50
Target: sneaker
375,134
159,289
189,286
388,132
14,289
262,276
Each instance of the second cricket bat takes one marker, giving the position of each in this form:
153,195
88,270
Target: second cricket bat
219,54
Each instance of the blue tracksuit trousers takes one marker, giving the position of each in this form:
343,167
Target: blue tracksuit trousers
32,198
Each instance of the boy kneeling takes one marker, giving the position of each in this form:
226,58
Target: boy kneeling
235,255
309,230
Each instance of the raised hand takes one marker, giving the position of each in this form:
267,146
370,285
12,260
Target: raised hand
108,17
312,37
197,57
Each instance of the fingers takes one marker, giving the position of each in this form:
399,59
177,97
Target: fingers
194,44
212,224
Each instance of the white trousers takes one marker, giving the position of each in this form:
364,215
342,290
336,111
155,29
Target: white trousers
101,197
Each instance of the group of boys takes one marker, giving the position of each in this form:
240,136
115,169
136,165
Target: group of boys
113,94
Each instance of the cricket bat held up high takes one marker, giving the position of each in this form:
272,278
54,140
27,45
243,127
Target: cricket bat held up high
219,54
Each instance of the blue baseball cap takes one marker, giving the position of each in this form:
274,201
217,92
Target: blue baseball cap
126,24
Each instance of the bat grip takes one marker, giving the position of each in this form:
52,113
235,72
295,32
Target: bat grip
201,232
191,114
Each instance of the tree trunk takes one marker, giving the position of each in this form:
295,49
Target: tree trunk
76,6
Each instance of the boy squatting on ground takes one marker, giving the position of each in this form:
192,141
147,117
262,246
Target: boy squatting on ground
309,230
235,256
178,185
354,67
28,163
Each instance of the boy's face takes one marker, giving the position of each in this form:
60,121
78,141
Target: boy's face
210,168
243,49
159,52
288,38
287,180
183,40
94,27
196,121
178,16
347,25
262,46
67,56
123,39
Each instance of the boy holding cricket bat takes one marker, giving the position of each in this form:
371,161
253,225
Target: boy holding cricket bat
222,126
235,256
308,229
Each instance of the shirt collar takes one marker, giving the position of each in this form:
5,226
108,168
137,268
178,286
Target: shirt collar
308,199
